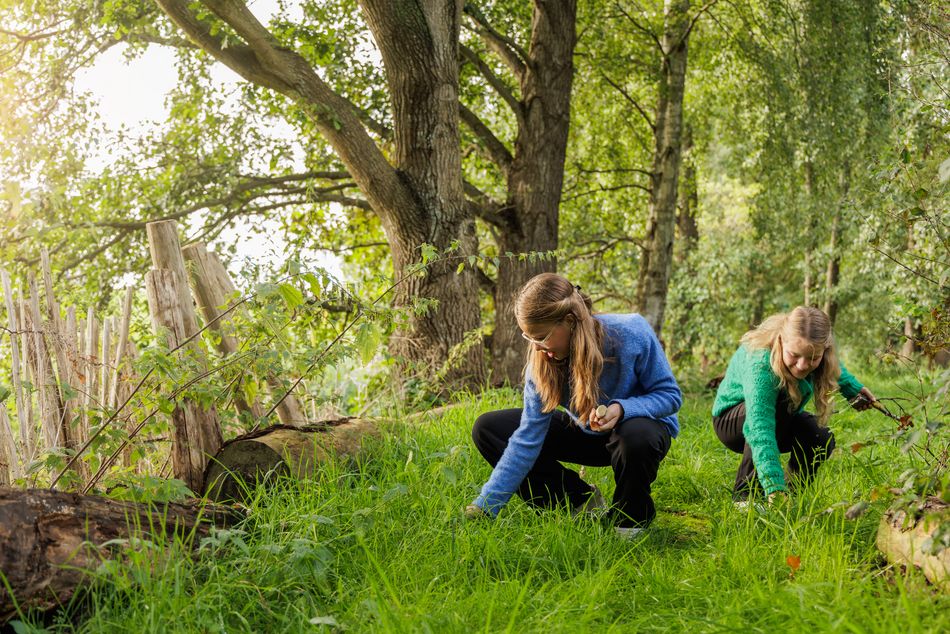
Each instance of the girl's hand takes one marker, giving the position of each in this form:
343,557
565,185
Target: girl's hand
474,512
777,497
608,420
865,400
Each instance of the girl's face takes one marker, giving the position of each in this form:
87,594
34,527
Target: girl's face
553,340
800,357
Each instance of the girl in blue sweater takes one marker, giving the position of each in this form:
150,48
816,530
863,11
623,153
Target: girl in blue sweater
618,402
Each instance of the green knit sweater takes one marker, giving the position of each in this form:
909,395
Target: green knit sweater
749,378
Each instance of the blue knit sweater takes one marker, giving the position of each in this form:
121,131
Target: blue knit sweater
636,376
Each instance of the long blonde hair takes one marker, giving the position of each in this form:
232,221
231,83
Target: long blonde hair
813,326
546,300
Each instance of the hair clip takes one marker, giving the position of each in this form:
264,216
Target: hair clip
577,287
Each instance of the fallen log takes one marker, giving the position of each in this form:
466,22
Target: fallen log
903,542
282,450
50,540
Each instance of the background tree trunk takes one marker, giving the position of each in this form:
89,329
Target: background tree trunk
657,252
536,175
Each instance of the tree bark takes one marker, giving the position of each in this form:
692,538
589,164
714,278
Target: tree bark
833,272
657,252
688,202
810,209
685,242
50,541
535,176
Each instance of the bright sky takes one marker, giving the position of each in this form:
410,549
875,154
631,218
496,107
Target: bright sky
132,94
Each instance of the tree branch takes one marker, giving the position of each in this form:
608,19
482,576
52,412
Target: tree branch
263,60
252,183
642,28
494,81
506,48
485,283
706,7
633,101
609,189
497,151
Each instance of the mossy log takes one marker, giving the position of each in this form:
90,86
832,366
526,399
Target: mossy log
282,450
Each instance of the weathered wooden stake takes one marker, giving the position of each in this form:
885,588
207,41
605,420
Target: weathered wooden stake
215,290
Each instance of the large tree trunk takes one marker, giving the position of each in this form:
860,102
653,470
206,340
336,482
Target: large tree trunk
536,175
657,252
50,541
418,42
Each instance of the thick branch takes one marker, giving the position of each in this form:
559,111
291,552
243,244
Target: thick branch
485,283
494,81
496,149
240,190
506,48
266,62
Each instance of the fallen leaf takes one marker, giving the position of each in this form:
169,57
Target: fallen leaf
794,562
856,447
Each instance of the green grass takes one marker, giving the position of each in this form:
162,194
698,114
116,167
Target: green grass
384,548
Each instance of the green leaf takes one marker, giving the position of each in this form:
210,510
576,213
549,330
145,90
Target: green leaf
291,295
313,284
4,392
367,341
429,252
67,389
460,268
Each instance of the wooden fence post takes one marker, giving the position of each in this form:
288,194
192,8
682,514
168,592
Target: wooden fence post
197,434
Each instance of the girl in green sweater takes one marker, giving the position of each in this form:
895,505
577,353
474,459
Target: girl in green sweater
759,408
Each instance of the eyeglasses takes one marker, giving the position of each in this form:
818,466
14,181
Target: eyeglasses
540,342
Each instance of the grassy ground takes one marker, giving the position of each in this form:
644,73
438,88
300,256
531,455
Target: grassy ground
383,548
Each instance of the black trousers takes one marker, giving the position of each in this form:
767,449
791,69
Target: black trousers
809,443
634,448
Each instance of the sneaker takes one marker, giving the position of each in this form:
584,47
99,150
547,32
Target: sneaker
744,505
594,505
628,532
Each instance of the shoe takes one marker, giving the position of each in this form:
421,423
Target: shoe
628,532
594,505
743,505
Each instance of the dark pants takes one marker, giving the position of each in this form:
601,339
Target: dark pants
634,448
810,444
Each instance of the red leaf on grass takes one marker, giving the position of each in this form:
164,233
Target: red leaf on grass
856,447
794,562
